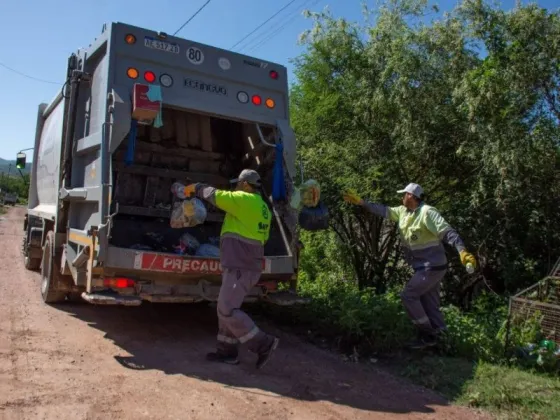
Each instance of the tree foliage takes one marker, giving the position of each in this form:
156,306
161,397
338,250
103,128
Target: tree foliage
466,104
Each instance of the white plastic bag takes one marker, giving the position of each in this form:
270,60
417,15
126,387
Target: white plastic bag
187,213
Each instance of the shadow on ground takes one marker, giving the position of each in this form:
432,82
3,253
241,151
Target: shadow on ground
175,338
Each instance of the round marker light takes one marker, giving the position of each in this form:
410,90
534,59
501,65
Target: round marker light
150,77
243,97
256,99
269,103
132,73
273,74
166,80
130,39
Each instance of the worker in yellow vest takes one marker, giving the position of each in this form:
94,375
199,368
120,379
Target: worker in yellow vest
245,231
423,231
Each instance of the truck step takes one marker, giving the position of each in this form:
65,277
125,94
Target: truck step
111,299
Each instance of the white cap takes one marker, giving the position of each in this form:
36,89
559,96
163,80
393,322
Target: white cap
414,189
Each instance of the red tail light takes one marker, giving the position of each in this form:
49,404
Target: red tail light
273,74
150,77
256,99
118,282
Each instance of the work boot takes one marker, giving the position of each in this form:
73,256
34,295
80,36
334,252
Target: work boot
422,341
264,356
230,358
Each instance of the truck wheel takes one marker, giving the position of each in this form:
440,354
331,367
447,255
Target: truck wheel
48,277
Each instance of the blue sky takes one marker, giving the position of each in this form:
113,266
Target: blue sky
39,37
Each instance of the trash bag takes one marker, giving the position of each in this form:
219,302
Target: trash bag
187,213
314,218
208,250
310,192
295,201
189,242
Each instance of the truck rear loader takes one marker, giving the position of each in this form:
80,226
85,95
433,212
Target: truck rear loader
97,224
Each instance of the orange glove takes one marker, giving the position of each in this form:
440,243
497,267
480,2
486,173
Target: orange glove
189,190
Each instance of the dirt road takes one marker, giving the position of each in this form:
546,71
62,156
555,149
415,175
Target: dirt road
77,361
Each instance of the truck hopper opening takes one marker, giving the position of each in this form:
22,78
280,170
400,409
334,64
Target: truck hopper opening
189,147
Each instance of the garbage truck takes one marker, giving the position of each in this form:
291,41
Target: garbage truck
139,111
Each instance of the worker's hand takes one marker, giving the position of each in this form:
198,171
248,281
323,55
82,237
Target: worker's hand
189,190
467,257
350,196
180,191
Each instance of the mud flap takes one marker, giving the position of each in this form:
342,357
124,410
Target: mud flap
111,299
285,299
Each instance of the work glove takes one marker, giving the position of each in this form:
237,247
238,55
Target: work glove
467,257
350,196
189,190
180,191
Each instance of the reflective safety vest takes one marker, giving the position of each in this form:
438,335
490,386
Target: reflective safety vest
247,215
420,229
422,232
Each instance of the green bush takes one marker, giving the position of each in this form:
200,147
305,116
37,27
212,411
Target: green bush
365,322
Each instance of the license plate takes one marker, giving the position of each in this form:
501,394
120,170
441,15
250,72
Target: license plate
156,44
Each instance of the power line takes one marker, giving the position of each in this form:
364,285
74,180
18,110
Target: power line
28,76
262,24
192,17
284,24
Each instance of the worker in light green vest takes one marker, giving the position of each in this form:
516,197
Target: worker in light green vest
245,231
422,230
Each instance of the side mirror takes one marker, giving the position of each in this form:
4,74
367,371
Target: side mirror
21,160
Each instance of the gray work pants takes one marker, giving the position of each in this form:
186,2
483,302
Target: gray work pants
235,326
420,297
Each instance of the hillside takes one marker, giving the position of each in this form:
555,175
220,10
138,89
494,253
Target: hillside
5,164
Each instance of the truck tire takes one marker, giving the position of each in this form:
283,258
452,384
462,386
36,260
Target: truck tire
48,275
31,264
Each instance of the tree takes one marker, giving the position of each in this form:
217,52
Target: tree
381,104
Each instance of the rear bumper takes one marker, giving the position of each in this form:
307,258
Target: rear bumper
208,293
169,278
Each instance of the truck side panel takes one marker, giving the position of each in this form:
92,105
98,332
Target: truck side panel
90,126
47,166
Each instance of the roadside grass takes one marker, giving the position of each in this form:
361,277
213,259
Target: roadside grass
506,392
2,209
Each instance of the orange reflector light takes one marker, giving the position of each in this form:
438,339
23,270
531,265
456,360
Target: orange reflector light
118,282
150,77
132,73
130,39
269,103
256,99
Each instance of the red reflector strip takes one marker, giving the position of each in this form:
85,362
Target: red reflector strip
118,282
